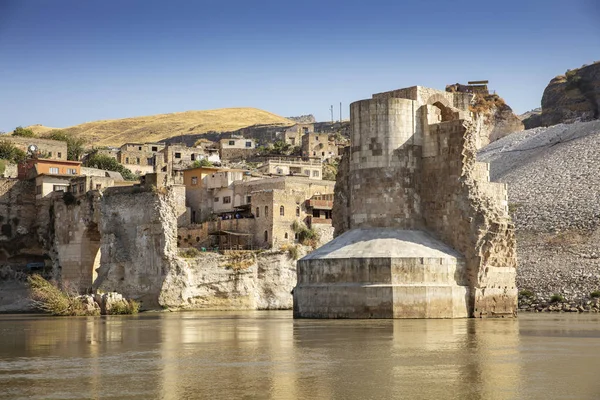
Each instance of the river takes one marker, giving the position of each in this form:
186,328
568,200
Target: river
269,355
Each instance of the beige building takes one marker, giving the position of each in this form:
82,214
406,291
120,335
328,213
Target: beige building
276,203
236,148
53,149
318,145
293,134
295,166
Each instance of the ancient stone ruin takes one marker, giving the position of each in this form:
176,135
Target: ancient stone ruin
420,230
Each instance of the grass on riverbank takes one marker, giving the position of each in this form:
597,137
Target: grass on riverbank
49,298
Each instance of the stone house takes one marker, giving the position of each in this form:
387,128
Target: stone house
318,145
234,149
295,166
140,158
53,149
275,203
293,134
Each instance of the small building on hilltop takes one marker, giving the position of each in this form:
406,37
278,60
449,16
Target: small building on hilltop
318,145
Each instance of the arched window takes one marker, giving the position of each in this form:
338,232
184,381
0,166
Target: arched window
285,236
266,211
266,236
298,211
257,212
281,211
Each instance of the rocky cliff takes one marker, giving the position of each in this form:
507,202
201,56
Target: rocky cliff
552,176
575,95
494,118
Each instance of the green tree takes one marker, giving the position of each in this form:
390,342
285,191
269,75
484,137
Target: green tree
9,152
20,131
202,163
102,161
75,149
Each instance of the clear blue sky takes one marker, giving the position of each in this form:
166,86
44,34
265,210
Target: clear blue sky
67,62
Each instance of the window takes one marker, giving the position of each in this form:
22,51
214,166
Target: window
226,199
232,142
50,154
216,200
316,137
140,148
322,154
307,172
71,171
298,211
194,180
257,212
305,129
266,211
248,144
193,157
285,236
315,173
59,154
98,186
314,153
248,199
317,213
54,170
279,171
282,212
266,236
177,155
150,161
60,188
82,187
74,189
154,148
137,161
38,189
126,160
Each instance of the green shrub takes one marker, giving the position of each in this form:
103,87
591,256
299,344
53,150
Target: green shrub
103,161
306,236
49,298
75,145
557,298
10,153
595,294
20,131
189,252
69,198
202,163
125,307
526,293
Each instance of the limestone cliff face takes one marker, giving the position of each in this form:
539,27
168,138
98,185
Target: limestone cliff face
230,282
575,95
494,119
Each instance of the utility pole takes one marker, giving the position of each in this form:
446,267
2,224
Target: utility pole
340,113
331,110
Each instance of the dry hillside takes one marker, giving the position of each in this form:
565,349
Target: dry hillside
162,126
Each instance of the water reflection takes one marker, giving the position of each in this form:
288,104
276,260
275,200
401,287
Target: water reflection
268,355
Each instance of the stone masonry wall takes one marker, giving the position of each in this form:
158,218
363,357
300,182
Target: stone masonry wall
470,215
384,164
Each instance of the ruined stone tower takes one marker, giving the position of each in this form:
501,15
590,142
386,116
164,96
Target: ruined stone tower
420,230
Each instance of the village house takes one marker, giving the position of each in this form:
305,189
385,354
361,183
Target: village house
311,168
139,158
318,145
235,148
46,148
293,134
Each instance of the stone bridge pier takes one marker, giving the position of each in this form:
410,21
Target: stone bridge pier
420,230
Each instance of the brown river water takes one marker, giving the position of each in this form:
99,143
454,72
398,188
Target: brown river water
269,355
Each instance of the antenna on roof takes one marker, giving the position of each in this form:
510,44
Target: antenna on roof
331,110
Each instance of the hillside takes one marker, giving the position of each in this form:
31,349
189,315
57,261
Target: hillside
553,176
163,126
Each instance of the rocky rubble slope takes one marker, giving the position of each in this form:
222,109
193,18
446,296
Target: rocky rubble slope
553,177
